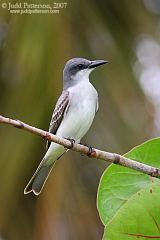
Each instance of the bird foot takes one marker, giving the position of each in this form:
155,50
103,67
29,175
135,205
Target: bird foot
72,141
91,152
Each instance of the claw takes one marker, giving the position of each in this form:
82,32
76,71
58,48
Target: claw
90,150
72,141
91,153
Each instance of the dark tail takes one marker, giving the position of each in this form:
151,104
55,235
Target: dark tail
39,178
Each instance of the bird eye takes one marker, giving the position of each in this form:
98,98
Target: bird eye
80,65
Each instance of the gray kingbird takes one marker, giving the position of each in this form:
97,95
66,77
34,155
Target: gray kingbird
72,116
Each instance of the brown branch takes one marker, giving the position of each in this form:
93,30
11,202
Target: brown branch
96,153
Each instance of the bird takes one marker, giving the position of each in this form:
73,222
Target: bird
72,117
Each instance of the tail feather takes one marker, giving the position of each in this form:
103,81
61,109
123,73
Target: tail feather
39,178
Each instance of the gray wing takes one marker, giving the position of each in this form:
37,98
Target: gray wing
58,113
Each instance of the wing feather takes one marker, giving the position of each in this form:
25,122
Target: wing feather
58,113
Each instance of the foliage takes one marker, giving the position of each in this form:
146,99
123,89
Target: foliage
129,201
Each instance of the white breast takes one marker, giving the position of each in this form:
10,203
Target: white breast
81,111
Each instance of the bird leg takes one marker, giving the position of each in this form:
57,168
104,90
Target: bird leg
72,141
91,152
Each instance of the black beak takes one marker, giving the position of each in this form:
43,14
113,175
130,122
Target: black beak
97,63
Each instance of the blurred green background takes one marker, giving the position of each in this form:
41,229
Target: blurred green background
33,51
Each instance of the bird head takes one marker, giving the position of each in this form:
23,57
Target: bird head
78,69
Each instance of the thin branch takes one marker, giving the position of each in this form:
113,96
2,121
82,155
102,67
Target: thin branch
96,153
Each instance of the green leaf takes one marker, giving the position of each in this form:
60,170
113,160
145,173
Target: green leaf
138,219
119,184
